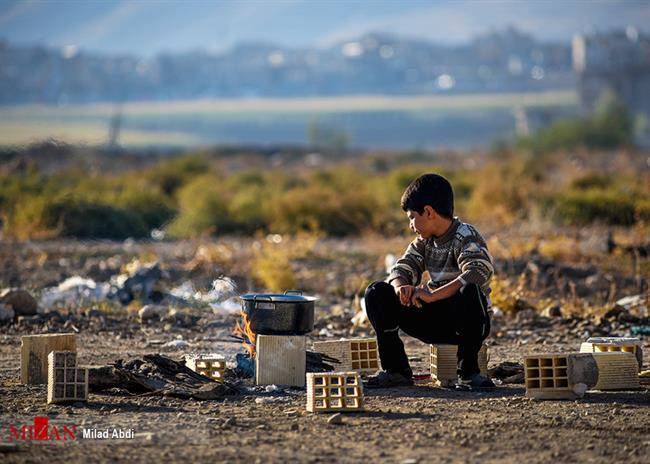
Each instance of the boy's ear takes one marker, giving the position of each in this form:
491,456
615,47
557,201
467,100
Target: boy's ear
430,212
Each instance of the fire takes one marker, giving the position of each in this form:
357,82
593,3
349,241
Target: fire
243,331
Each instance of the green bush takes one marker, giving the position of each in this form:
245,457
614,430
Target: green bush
583,207
203,208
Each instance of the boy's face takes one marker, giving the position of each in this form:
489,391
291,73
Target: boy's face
422,224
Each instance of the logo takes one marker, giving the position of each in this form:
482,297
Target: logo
41,430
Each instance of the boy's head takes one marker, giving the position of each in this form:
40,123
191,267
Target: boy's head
429,204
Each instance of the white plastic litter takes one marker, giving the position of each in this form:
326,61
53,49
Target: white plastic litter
222,297
176,344
73,291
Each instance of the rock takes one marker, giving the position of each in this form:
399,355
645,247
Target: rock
229,422
149,312
295,427
21,301
7,313
580,389
335,419
525,316
552,311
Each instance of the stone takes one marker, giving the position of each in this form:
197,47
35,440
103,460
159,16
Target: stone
21,301
335,419
552,311
149,312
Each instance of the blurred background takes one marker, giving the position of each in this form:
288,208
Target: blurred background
126,118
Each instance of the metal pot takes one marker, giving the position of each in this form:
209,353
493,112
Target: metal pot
290,313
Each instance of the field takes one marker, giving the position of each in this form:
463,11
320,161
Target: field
423,121
566,216
415,424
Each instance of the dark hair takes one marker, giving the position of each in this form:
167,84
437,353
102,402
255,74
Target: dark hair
429,189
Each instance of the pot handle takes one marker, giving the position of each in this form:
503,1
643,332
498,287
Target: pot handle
257,298
289,292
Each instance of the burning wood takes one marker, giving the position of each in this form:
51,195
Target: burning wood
243,331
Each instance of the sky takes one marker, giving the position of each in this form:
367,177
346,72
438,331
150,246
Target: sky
147,27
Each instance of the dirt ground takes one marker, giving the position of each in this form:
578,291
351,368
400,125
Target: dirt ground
415,424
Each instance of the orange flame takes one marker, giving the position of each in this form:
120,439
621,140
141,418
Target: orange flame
243,330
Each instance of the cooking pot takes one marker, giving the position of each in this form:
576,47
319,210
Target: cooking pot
288,313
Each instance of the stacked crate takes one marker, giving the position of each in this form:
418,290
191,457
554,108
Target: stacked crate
614,344
559,375
334,392
65,381
444,362
358,354
209,365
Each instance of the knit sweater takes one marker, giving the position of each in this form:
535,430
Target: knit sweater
459,252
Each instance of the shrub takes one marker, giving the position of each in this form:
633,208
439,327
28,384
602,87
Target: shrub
583,207
203,208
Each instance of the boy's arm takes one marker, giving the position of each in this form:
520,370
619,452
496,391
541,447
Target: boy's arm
409,268
474,261
475,264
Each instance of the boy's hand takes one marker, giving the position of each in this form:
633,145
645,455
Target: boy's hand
405,292
421,295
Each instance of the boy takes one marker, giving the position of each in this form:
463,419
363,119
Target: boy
452,308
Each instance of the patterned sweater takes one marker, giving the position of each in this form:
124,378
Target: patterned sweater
461,251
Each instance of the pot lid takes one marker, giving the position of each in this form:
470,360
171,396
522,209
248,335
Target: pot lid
278,297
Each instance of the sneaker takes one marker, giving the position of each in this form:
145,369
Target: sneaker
384,379
475,382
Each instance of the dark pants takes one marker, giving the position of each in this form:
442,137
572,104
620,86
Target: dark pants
461,319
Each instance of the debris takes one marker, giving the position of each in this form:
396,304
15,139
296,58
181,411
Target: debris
508,372
267,399
271,388
640,331
21,301
152,311
74,291
335,419
157,374
633,302
176,344
245,365
140,282
320,362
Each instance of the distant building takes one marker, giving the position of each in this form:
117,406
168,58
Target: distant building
618,62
